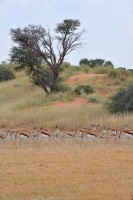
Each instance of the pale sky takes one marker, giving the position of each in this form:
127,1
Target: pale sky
108,25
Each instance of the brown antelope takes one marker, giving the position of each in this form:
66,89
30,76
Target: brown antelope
89,133
58,133
126,134
114,131
3,137
21,135
69,134
111,133
44,133
95,127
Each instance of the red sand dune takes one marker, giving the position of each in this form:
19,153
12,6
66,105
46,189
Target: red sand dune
78,100
82,77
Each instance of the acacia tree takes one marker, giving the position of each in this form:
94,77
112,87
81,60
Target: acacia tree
35,45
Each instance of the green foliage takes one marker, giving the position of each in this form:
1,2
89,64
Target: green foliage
85,69
108,63
84,61
62,87
35,46
95,62
70,71
93,99
113,74
84,89
6,74
46,76
122,101
64,66
60,96
102,69
67,26
123,71
42,75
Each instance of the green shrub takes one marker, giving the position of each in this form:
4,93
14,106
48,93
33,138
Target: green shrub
122,101
73,70
123,71
113,74
85,69
6,74
65,65
119,73
62,87
84,89
102,69
93,99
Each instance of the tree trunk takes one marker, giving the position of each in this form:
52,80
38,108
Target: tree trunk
53,87
45,88
42,84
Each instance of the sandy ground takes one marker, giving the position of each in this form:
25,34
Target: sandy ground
67,171
82,77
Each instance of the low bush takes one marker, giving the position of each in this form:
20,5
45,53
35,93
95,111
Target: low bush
102,69
85,69
6,74
113,74
62,87
123,101
84,89
93,99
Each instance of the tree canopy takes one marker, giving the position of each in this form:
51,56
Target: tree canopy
35,45
95,62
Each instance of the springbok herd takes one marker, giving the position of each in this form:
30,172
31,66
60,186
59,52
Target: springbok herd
96,132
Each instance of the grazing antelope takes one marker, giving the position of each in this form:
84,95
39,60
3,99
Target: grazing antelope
126,127
95,127
44,133
69,134
106,133
114,131
58,133
111,133
126,134
12,133
87,133
21,135
3,137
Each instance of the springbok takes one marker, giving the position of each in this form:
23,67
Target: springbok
21,135
3,137
89,133
126,134
111,133
95,127
69,135
44,133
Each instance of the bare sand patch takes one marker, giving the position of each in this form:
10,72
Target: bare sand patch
82,77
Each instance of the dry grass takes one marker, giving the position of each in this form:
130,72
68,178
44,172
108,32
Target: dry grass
66,117
62,170
67,171
23,104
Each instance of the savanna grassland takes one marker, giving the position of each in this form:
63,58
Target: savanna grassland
65,170
24,104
